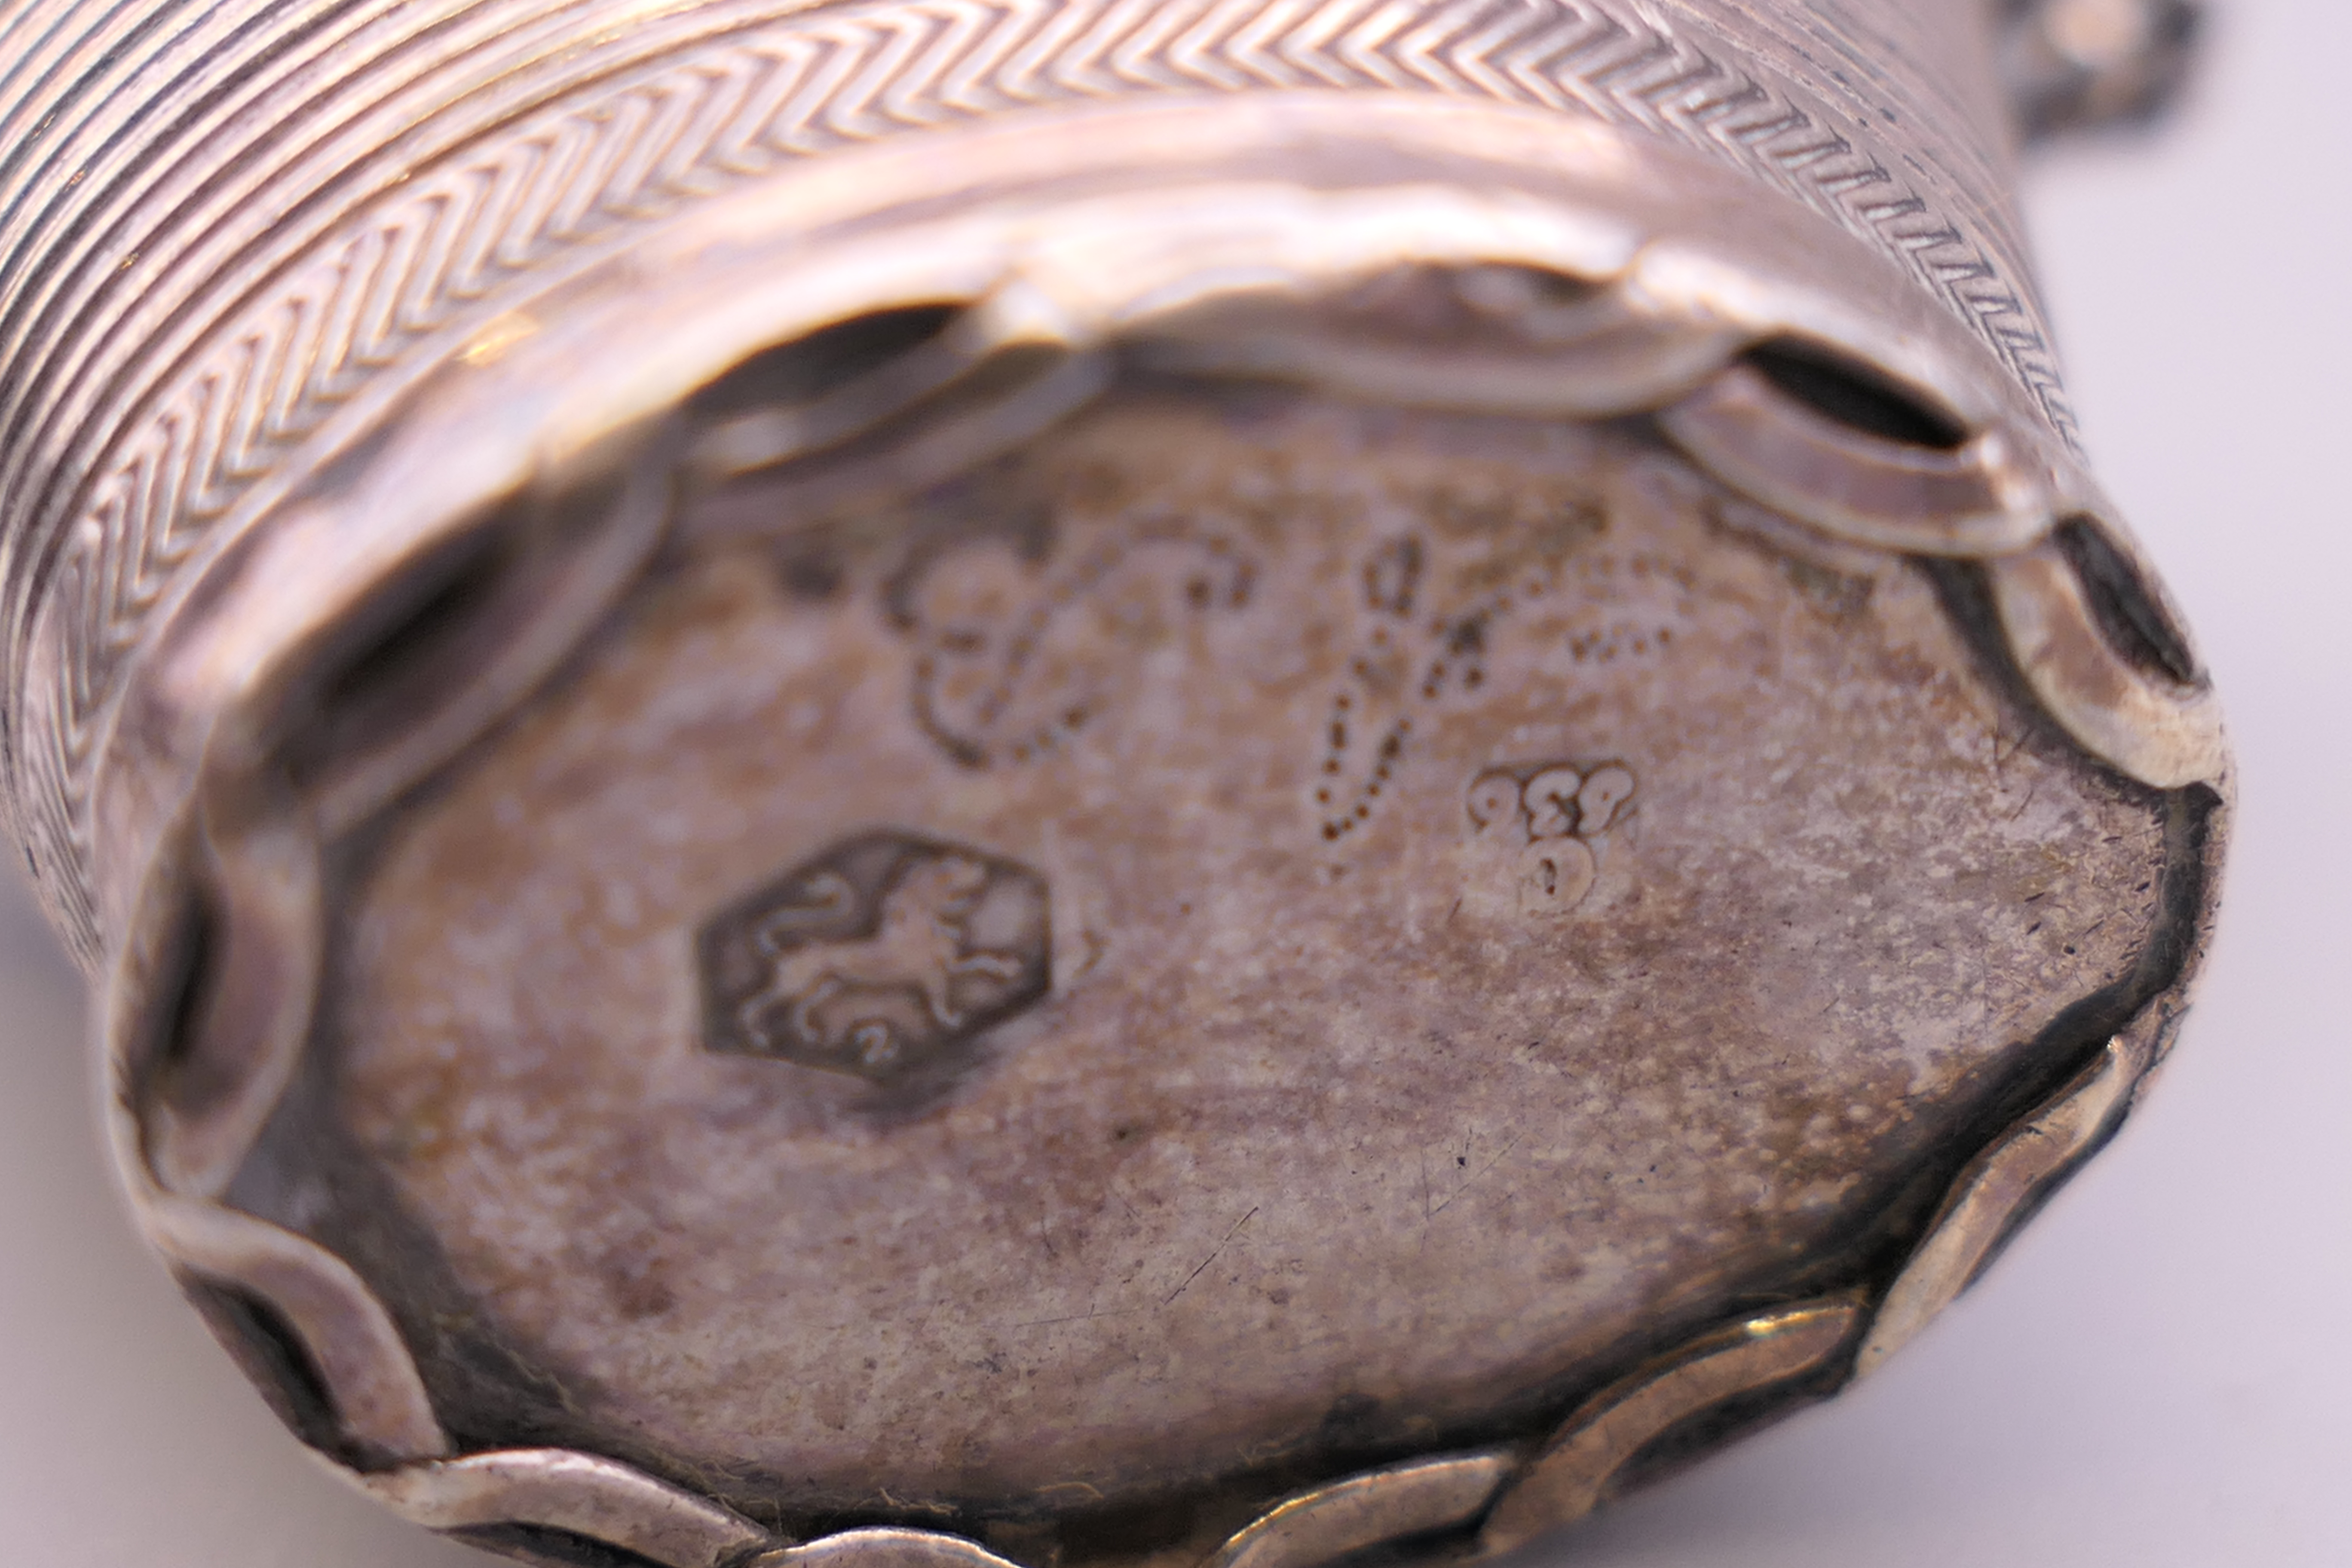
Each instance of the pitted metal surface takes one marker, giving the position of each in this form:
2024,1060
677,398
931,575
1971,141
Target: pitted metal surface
1075,784
1214,1199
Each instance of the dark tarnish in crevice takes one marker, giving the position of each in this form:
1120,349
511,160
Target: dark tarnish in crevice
489,1394
273,1357
2064,1048
2192,856
825,361
168,1069
2069,1044
2071,1041
2130,614
1695,1436
401,651
1855,395
544,1546
306,1172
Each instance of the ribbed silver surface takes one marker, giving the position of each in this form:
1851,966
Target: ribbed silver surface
229,232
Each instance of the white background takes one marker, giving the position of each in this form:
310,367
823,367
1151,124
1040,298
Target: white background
2157,1374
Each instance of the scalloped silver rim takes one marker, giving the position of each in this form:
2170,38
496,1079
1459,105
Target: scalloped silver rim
1668,342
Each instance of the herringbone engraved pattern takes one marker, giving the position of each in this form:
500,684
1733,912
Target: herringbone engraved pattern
559,187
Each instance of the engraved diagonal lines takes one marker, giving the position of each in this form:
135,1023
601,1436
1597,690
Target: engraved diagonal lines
457,235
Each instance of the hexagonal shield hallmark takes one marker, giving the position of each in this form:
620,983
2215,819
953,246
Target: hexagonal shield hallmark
885,955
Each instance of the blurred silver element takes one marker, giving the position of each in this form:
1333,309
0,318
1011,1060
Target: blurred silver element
2073,65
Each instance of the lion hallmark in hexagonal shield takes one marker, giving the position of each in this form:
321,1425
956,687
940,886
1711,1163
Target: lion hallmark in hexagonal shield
880,957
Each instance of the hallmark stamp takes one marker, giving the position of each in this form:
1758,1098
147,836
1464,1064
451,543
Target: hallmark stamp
1549,826
1435,605
1015,660
883,956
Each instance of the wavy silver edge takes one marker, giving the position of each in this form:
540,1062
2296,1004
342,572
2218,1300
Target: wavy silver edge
898,1545
263,882
349,1336
579,1494
1369,1509
1974,501
1570,1475
378,1392
1979,1213
2156,731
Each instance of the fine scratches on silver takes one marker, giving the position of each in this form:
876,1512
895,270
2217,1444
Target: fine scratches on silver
1999,1184
378,1394
337,287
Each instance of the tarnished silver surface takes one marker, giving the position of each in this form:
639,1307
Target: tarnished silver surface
1052,782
